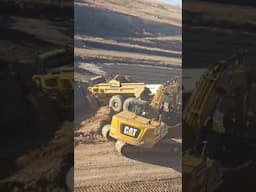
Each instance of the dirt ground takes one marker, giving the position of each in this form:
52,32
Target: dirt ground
98,167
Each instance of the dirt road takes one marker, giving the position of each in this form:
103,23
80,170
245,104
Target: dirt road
98,167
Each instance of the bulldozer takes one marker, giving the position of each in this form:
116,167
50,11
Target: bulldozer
141,123
115,92
200,172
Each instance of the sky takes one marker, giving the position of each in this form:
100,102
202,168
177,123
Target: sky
177,2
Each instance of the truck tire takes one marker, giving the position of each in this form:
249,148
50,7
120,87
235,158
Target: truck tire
126,103
116,103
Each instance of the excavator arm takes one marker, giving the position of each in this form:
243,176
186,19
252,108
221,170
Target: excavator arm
204,98
201,173
164,92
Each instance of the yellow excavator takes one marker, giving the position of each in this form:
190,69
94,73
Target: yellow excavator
142,123
115,92
200,173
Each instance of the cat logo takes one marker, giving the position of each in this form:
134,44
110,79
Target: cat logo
130,131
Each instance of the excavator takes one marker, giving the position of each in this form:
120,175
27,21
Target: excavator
141,123
201,173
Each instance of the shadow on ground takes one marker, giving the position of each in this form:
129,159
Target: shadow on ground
164,154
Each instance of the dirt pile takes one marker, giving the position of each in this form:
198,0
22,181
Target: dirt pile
90,131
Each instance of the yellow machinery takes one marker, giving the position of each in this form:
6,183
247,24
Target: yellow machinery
115,91
59,79
58,86
141,123
199,172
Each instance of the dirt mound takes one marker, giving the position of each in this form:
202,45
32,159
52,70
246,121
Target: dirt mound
90,131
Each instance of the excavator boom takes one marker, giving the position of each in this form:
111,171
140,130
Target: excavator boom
205,95
201,173
164,93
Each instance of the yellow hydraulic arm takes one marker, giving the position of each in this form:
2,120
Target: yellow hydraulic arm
205,96
164,91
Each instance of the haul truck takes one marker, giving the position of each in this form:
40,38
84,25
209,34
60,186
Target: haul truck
115,92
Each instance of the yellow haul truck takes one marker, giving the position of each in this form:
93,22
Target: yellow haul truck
58,86
115,91
59,79
54,78
142,123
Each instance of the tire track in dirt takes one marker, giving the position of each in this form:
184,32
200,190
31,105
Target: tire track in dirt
162,185
98,167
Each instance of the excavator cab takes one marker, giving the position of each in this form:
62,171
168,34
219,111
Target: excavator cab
142,108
